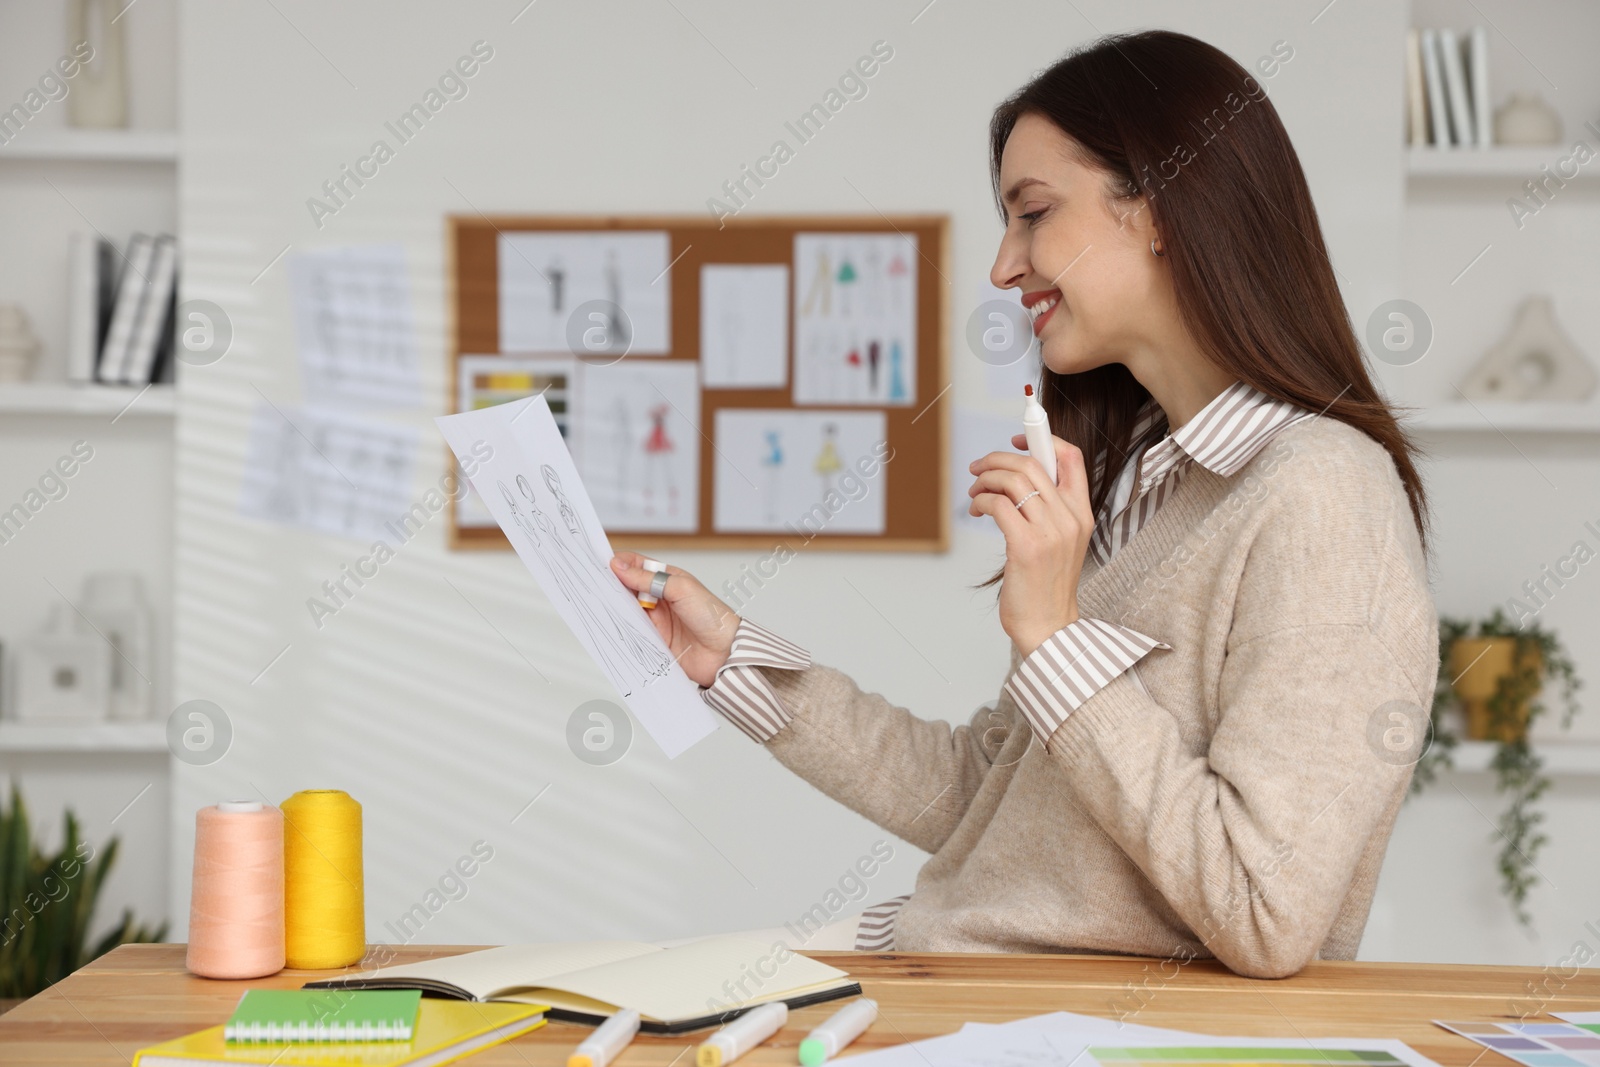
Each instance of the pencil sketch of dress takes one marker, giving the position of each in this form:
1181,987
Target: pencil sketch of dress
601,637
569,515
645,660
772,460
658,449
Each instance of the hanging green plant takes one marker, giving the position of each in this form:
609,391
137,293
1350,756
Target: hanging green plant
1493,672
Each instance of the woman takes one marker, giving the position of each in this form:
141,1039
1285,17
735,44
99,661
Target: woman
1217,608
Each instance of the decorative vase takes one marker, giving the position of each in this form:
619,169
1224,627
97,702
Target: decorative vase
63,673
17,344
99,98
1526,119
1478,664
114,602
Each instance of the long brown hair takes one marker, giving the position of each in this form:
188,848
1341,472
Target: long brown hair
1177,121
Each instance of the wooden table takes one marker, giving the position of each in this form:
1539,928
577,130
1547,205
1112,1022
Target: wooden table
139,995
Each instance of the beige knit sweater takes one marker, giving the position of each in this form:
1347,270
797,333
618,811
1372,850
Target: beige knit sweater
1239,810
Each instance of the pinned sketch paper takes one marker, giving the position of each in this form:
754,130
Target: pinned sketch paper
744,325
484,381
532,487
354,327
855,317
586,293
638,444
806,471
327,470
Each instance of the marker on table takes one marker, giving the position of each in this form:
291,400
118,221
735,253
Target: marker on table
608,1039
742,1035
842,1027
1036,428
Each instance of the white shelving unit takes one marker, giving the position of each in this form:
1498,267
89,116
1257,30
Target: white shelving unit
75,737
94,146
116,513
112,401
1519,163
1543,417
1565,758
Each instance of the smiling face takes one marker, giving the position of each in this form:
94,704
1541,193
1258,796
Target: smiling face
1079,254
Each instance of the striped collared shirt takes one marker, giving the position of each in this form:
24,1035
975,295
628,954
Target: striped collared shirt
1081,658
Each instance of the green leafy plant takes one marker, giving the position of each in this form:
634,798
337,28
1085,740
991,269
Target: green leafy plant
1519,770
49,904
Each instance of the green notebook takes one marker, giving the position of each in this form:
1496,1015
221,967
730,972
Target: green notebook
291,1015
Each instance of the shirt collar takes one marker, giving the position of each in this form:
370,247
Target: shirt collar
1223,436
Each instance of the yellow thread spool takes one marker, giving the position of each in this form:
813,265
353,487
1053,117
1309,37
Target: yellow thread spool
325,923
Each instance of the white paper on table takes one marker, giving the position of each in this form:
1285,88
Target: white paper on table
354,327
563,291
636,440
744,325
1579,1018
855,335
533,490
783,469
1028,1043
326,470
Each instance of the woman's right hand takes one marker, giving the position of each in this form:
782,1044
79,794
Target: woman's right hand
697,627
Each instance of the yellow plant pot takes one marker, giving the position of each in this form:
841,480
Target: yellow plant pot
1477,664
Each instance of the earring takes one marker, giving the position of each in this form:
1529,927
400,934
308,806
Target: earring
1154,250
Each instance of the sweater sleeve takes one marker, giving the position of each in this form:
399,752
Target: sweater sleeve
1255,841
911,776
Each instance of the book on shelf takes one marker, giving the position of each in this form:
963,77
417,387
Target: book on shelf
121,309
1447,88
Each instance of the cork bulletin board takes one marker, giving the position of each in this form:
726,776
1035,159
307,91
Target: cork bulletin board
822,358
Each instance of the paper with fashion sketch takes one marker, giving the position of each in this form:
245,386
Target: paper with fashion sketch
855,319
353,326
744,325
585,292
484,381
532,488
326,469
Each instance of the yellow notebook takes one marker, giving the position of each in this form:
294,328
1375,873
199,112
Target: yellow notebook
446,1030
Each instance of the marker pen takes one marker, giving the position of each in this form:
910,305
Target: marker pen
742,1035
1036,427
842,1027
609,1038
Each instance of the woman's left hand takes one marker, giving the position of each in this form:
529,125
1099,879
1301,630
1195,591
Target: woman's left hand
1046,537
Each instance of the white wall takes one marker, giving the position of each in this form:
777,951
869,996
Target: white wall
407,698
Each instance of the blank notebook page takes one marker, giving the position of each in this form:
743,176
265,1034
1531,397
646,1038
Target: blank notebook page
493,970
698,979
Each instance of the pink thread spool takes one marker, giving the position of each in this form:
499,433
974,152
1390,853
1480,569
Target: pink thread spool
236,907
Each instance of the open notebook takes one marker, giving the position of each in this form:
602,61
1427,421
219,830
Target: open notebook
685,987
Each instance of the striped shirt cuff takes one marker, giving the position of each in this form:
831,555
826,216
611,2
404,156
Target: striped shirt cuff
739,691
875,929
1074,663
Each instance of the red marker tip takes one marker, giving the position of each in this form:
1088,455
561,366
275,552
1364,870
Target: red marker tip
1027,390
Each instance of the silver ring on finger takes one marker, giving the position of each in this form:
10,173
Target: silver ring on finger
1027,498
658,584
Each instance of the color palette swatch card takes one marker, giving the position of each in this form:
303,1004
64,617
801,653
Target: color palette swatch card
1536,1044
